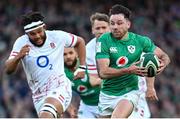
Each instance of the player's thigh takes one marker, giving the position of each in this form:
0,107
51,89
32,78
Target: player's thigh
123,112
60,97
128,102
132,96
108,103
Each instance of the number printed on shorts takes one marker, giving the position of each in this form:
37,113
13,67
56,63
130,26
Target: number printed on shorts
43,61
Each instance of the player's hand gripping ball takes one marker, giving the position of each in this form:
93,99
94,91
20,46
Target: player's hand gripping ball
151,63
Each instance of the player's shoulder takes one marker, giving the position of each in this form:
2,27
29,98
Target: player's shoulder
105,36
56,35
55,32
137,36
22,39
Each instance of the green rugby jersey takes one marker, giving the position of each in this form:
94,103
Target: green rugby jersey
89,95
122,53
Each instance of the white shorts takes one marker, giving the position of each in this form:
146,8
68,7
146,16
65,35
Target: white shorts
108,103
87,111
142,109
63,94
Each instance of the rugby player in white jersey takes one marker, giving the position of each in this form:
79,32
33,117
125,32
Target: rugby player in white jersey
100,25
41,53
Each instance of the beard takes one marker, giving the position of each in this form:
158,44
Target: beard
38,45
72,65
120,34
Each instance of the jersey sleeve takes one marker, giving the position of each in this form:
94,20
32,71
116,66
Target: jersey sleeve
149,46
90,56
102,50
70,39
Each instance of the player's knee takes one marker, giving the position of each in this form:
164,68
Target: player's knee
48,110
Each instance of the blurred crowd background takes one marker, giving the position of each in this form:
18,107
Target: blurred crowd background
158,19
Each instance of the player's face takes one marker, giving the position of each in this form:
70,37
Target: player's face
70,57
119,25
37,37
100,27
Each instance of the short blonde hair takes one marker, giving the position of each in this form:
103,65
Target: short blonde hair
100,17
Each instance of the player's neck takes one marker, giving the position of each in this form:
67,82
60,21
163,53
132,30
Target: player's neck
73,69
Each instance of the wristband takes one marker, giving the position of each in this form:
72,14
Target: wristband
82,66
79,70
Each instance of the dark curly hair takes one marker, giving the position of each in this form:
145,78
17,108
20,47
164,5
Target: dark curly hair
119,9
31,17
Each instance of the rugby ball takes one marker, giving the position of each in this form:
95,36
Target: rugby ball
150,62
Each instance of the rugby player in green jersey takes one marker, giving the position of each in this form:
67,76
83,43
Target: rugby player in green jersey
118,54
88,88
100,25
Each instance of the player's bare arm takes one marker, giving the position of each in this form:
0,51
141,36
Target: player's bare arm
81,50
94,80
151,92
12,64
107,72
164,59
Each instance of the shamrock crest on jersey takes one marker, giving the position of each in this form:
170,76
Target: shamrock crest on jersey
131,48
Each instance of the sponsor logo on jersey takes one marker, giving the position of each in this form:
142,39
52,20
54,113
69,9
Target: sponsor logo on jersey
113,50
131,48
52,45
98,47
82,88
122,61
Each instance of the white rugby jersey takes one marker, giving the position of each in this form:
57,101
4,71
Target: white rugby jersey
142,84
90,56
43,65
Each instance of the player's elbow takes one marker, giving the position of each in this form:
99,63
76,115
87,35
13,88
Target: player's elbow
102,74
80,41
7,69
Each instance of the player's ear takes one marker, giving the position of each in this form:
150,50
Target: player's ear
44,26
129,23
92,30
